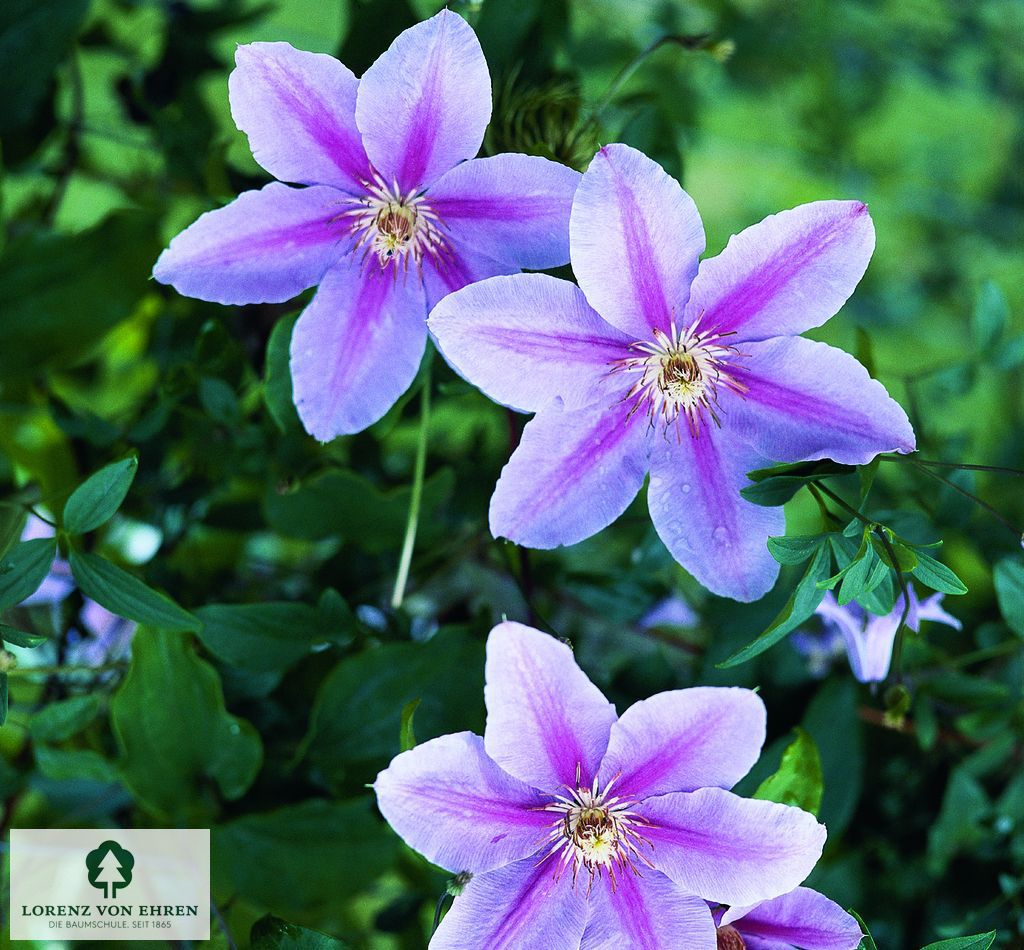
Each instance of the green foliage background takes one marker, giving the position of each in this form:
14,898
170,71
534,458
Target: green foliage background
267,703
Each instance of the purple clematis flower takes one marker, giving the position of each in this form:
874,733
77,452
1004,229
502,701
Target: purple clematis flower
652,364
393,217
587,831
869,638
802,919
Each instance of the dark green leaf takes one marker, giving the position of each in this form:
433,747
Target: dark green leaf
959,825
277,382
24,569
407,738
801,605
20,638
977,942
1009,582
868,943
795,550
173,730
265,637
63,719
798,780
990,317
94,501
937,576
219,401
318,850
856,577
65,764
125,595
272,933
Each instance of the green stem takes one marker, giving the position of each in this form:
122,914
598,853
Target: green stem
964,466
978,501
416,497
19,671
846,507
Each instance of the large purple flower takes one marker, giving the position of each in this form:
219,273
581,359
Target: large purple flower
654,364
870,638
802,918
393,219
586,830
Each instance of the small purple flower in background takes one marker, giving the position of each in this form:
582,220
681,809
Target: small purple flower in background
869,638
653,365
101,636
820,649
582,829
393,218
801,919
673,611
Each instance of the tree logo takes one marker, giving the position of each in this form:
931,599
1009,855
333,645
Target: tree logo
110,867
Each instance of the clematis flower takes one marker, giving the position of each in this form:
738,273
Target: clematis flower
819,648
393,216
870,638
652,364
582,829
801,919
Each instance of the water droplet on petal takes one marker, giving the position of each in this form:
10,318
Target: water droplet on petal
686,488
720,535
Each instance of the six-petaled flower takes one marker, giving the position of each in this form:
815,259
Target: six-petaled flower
652,364
397,212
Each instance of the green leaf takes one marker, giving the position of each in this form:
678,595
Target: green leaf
358,709
937,576
346,505
125,595
94,501
856,578
990,317
800,606
63,765
219,401
977,942
318,849
20,638
12,524
407,738
776,485
799,780
60,295
965,806
868,943
272,933
36,35
173,731
268,636
65,718
3,698
24,569
795,550
277,381
1009,583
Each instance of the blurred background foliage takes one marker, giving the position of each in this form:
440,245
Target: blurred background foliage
281,692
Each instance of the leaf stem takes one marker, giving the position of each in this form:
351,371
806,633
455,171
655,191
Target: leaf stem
416,496
844,505
1017,533
963,466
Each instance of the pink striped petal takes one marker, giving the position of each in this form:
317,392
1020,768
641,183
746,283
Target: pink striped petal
458,266
356,348
424,104
299,111
636,238
448,800
545,719
787,274
527,341
802,918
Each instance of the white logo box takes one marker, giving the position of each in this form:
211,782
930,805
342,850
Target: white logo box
154,885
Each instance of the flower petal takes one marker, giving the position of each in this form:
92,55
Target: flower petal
647,912
932,609
459,267
448,800
685,739
299,112
545,718
636,238
527,340
574,473
787,274
518,906
514,208
264,247
356,348
869,639
424,104
697,509
802,918
808,400
728,849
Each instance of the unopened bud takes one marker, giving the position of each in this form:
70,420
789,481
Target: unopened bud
897,705
458,883
722,50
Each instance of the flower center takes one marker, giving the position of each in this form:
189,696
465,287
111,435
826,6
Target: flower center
679,374
729,938
394,227
595,831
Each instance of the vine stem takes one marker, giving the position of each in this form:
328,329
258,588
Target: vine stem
416,497
963,466
978,501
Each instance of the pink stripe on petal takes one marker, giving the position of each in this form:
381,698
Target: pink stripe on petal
458,267
298,110
802,918
544,716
